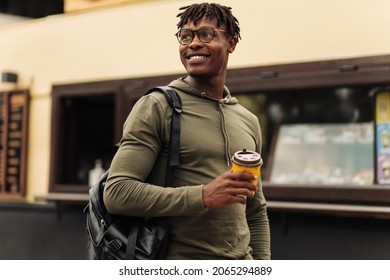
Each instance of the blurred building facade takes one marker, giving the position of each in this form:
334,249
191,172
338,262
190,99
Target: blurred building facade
91,59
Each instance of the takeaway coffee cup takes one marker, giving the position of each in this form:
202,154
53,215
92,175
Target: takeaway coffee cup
247,161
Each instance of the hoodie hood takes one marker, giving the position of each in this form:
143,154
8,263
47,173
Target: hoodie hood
185,87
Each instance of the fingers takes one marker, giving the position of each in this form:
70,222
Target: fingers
243,192
243,184
240,199
245,177
242,176
229,188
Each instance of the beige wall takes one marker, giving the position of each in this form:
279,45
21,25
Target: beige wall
137,39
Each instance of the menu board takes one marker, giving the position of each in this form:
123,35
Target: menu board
13,136
328,154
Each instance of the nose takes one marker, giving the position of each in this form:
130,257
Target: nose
196,43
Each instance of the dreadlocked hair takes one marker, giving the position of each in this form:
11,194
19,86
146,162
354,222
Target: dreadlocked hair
222,14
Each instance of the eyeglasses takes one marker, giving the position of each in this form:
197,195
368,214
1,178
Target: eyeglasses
205,34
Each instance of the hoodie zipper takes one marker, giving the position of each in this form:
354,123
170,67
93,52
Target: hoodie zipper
223,125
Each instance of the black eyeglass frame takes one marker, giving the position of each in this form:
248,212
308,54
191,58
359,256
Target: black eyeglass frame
193,32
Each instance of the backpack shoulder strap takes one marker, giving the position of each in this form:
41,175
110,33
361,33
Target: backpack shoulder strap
170,94
174,143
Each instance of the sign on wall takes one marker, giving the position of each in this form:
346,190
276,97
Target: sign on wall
13,136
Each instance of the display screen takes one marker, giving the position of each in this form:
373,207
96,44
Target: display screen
324,154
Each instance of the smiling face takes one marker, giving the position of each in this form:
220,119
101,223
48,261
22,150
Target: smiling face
207,60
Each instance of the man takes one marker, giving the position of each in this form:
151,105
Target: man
214,213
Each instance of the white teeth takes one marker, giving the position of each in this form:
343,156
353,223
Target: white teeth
197,57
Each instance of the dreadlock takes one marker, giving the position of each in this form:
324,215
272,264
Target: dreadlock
222,14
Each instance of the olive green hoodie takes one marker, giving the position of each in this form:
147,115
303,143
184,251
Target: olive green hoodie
211,131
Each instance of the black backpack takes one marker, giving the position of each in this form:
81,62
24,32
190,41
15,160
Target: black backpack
115,237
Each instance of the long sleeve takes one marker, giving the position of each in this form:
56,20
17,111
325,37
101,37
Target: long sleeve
258,223
256,213
126,193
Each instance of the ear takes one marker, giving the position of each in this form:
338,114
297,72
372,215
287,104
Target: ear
232,42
